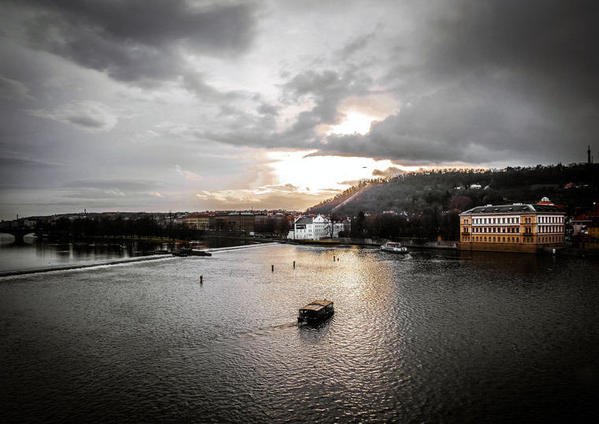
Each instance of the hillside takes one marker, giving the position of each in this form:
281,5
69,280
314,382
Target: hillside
575,186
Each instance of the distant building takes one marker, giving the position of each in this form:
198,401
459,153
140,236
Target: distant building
475,186
233,221
315,228
585,230
512,228
197,221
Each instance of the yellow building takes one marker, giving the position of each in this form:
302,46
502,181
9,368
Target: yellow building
512,228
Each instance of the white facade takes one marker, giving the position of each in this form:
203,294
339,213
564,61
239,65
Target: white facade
309,228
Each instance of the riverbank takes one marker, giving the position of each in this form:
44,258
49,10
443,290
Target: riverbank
445,245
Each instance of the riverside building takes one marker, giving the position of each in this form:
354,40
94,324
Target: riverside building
512,228
315,228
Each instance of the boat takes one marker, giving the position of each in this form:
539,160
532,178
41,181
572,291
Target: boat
316,311
394,247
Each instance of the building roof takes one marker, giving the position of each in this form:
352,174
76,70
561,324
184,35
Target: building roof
547,208
304,220
511,209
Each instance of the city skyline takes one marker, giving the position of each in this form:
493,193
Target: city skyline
183,105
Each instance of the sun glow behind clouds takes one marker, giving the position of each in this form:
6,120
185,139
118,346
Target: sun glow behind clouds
322,173
354,123
298,181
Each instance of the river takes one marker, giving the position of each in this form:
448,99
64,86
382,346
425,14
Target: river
426,337
39,255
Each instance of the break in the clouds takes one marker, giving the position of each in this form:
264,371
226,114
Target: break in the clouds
178,104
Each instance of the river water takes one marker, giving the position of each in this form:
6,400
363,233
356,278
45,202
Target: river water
37,255
426,337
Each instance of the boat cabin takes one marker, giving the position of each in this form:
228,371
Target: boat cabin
317,310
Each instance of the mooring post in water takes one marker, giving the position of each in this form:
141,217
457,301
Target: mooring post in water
201,279
333,258
293,264
272,268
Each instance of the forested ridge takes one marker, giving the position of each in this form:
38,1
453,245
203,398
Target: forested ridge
427,204
574,186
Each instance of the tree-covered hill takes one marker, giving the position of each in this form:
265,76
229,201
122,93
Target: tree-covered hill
575,186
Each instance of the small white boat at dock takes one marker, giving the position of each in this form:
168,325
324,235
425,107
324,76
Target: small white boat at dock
394,247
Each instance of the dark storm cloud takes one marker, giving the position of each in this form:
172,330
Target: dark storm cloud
470,122
477,82
491,81
549,39
138,40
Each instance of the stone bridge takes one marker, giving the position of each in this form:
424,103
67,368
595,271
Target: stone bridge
17,233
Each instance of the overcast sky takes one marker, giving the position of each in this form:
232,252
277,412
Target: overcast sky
184,105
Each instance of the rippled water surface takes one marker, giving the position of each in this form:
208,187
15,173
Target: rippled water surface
418,338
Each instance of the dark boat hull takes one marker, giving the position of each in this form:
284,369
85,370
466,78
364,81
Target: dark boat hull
316,319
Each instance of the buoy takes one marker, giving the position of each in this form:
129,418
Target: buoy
333,258
293,264
201,279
